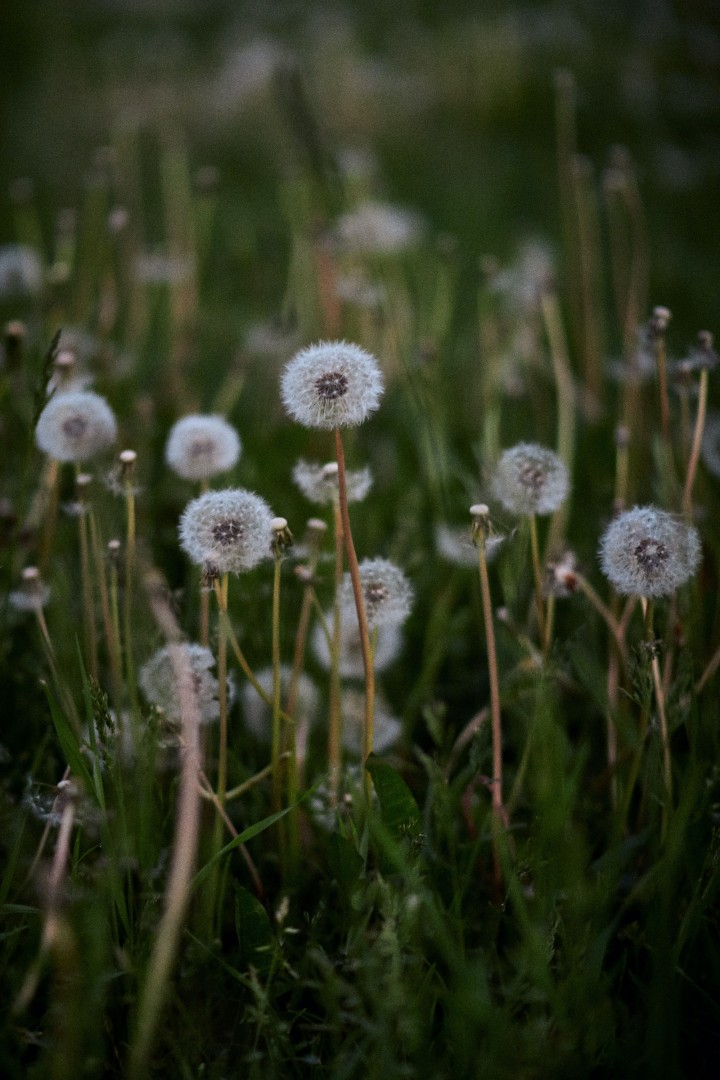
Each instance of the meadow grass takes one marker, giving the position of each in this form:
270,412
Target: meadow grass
205,872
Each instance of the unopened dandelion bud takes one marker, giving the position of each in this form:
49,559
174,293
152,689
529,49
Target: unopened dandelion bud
317,525
82,486
660,320
14,343
320,484
333,384
481,528
649,552
200,447
113,549
33,594
127,460
282,537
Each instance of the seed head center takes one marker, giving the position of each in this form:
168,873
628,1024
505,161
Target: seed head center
532,477
376,593
650,554
75,427
201,448
227,532
331,385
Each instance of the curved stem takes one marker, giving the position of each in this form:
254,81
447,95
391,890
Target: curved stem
360,608
696,446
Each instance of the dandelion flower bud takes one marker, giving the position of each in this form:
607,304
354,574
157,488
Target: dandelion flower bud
332,384
319,483
258,714
648,552
200,447
530,479
229,530
34,594
350,661
160,677
387,593
75,426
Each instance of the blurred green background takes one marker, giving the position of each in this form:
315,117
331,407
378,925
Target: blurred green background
454,99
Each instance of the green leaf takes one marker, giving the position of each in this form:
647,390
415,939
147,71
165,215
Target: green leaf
69,742
254,931
398,809
345,861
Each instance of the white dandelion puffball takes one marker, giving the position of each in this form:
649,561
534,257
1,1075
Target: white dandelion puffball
387,729
711,443
199,447
75,426
330,385
21,270
378,228
530,479
258,714
350,661
454,543
648,552
160,676
387,593
227,531
319,483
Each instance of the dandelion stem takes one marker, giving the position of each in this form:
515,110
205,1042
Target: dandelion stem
128,597
359,606
112,641
87,596
276,689
187,825
696,445
335,719
299,653
537,574
647,607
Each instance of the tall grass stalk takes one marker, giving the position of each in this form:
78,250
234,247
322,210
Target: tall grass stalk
153,993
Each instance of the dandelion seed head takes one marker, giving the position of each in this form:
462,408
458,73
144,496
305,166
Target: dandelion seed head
319,483
387,646
21,271
711,443
648,552
75,426
378,228
258,714
387,729
200,447
331,384
530,479
33,594
229,530
387,593
159,678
